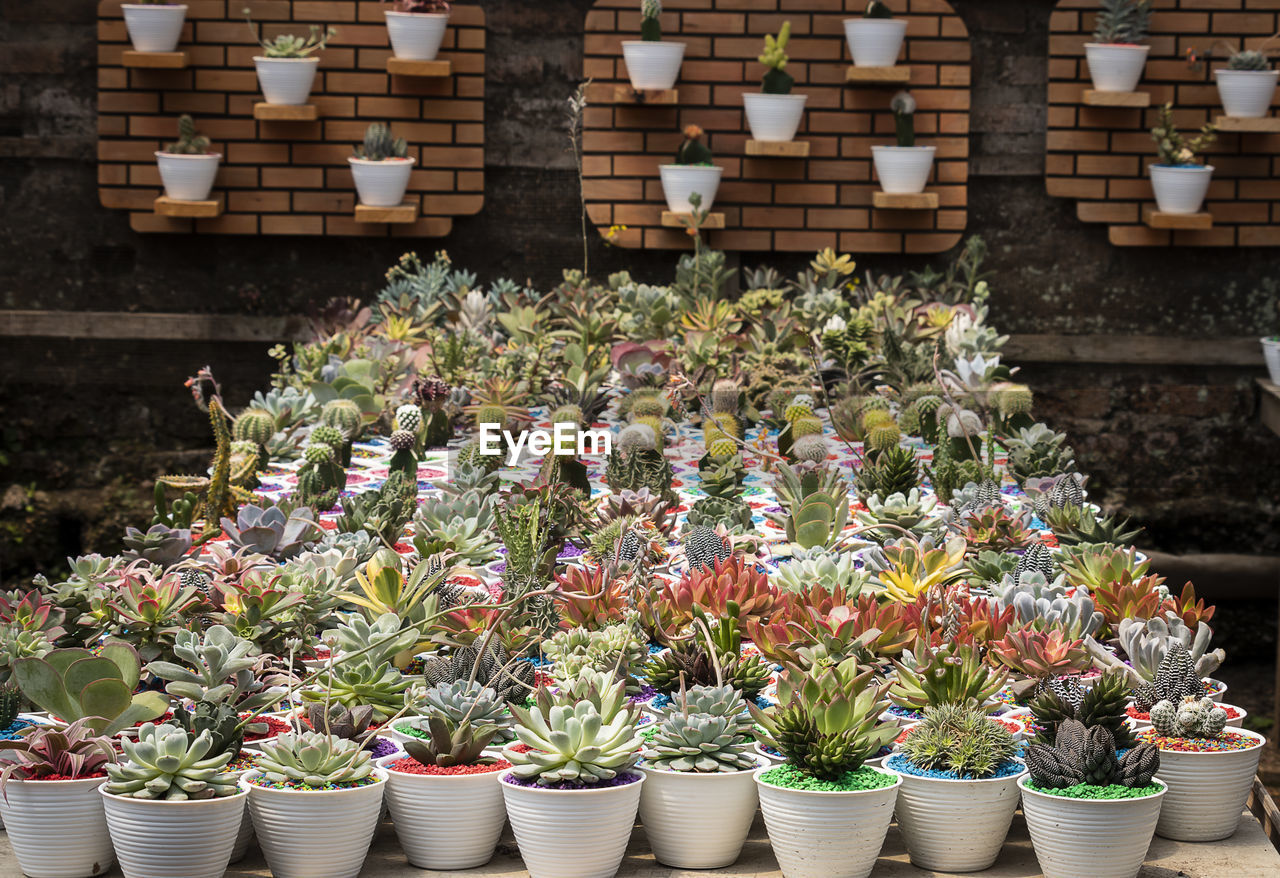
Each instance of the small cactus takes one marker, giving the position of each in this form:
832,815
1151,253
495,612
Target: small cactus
1193,717
379,145
188,142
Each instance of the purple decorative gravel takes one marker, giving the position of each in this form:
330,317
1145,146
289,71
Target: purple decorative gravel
647,692
384,747
913,715
620,780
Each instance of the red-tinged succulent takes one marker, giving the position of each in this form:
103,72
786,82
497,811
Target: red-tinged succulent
994,530
145,610
1128,597
981,621
592,598
65,753
1192,610
732,579
32,612
898,624
1041,654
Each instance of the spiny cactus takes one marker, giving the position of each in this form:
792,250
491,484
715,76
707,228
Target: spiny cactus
188,142
776,80
1192,717
650,27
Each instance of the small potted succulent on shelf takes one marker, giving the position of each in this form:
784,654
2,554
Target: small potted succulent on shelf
1271,353
1248,83
287,67
572,778
1179,179
1209,768
959,788
652,62
381,167
153,25
187,167
699,796
1116,56
774,112
50,771
826,811
173,809
903,169
875,39
691,172
416,28
1088,811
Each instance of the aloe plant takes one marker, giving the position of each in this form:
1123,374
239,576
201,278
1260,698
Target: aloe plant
74,684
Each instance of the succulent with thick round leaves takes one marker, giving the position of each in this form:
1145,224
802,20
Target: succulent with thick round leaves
379,686
462,701
220,721
381,640
165,764
700,743
616,648
449,743
572,744
159,544
73,684
72,752
722,701
909,511
1192,717
313,759
270,532
219,667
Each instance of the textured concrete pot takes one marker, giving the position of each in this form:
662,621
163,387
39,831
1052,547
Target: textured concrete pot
416,36
1207,791
155,838
681,181
1180,189
154,28
698,821
826,835
773,118
1098,838
187,177
1246,93
286,81
1115,67
955,825
652,64
445,822
57,827
875,42
381,184
903,170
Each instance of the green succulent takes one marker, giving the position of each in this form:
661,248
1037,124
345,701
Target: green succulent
312,759
572,744
165,764
448,743
462,701
219,667
949,674
894,471
828,570
379,686
816,503
700,743
617,649
960,739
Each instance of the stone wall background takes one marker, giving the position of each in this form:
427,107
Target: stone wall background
1178,447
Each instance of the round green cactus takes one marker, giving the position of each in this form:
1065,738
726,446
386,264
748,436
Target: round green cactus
344,415
254,425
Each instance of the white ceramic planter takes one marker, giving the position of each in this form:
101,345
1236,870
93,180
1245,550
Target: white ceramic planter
445,822
57,827
681,181
598,821
286,81
244,837
416,36
874,42
1207,791
181,839
826,835
652,64
154,28
1180,189
698,821
1246,94
1215,689
1271,353
955,825
188,177
773,118
315,833
1098,838
1115,67
381,184
903,170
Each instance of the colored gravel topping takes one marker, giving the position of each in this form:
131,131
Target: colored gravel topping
275,726
1143,716
1228,742
259,781
905,713
63,776
790,778
383,747
409,765
900,763
14,730
620,780
1090,791
410,730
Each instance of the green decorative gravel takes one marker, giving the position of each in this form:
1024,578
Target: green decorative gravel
412,732
1089,791
791,778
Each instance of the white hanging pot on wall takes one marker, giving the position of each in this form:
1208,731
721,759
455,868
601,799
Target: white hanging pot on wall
416,36
652,64
286,81
187,177
381,184
681,181
773,118
875,42
154,28
1246,94
1180,188
903,170
1115,67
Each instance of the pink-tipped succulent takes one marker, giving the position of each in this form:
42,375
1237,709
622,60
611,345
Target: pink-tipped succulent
1041,653
49,753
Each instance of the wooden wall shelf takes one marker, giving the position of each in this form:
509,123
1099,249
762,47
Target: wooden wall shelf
1264,125
907,201
408,67
1135,99
790,149
166,206
406,212
1195,222
625,94
154,60
879,75
286,112
673,220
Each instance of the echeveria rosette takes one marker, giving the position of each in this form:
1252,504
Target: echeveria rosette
572,744
311,759
700,744
164,763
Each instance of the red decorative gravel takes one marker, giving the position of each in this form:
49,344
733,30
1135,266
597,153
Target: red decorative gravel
64,776
520,748
275,727
413,766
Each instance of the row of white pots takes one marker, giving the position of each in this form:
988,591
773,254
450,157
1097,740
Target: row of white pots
1244,93
378,183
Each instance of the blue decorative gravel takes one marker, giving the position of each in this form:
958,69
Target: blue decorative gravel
662,702
905,713
14,730
901,764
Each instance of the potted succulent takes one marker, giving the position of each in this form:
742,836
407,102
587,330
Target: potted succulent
49,779
904,168
691,172
1179,179
699,796
1271,352
153,25
826,811
172,808
381,167
1116,56
571,778
315,800
774,112
1247,84
187,167
875,39
1088,811
652,62
416,28
1209,768
287,66
72,684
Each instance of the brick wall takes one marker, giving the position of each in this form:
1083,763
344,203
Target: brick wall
1099,155
289,177
778,203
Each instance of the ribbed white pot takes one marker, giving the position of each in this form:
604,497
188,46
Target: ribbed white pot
1207,791
416,36
826,835
1215,689
315,833
773,118
1115,67
181,839
1271,353
244,837
1095,837
572,833
652,64
445,821
57,827
1246,93
681,181
381,184
188,177
154,28
874,42
903,170
698,821
286,81
1180,189
955,825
